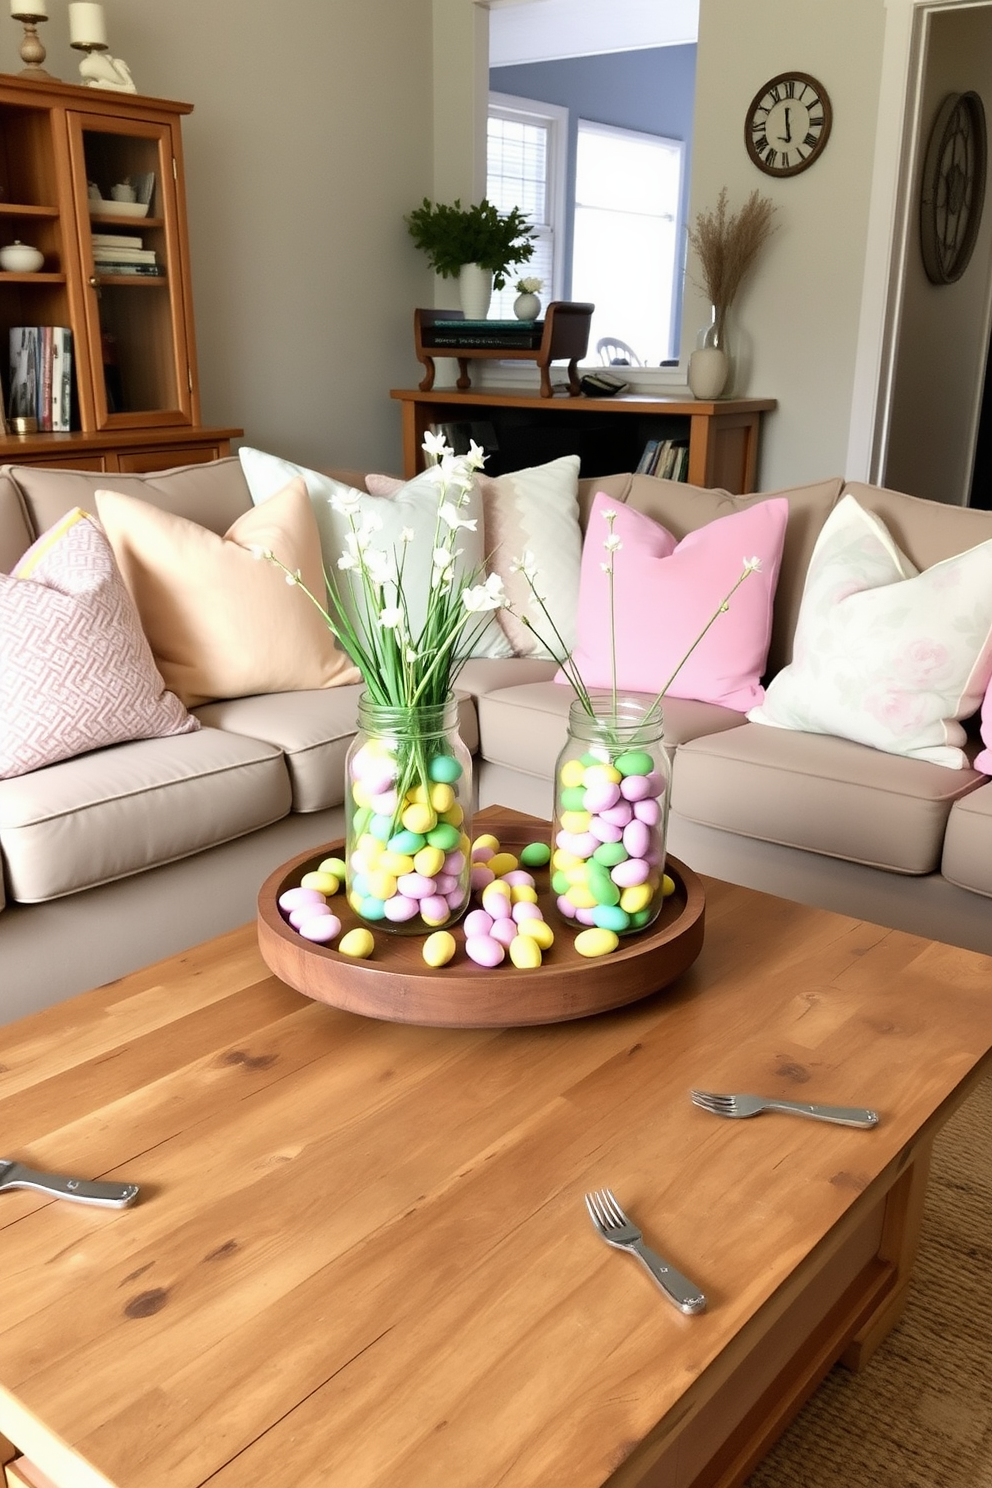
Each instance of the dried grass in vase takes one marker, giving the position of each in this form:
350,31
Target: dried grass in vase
727,245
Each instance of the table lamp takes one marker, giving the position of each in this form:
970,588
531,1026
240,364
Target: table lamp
30,12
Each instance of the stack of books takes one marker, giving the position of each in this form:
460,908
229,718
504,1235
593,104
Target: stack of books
41,376
516,335
123,253
667,459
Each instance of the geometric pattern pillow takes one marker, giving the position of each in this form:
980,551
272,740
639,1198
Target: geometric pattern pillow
411,507
883,654
76,672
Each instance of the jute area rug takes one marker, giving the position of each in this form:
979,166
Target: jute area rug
920,1415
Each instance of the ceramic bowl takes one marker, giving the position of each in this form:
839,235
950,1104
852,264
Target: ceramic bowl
21,258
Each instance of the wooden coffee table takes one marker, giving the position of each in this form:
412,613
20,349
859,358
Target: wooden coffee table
361,1257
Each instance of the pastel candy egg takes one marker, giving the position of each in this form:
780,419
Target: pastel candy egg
483,950
439,948
359,887
524,952
322,929
563,860
640,919
381,827
572,773
560,882
535,855
610,853
517,876
456,901
417,795
384,803
584,915
637,838
488,841
382,885
292,898
634,762
480,876
581,897
444,767
419,818
447,883
585,844
442,798
324,883
523,894
620,814
525,909
443,835
503,862
648,811
657,783
572,797
498,892
601,885
565,907
415,885
478,922
358,943
630,872
667,885
610,917
505,931
406,842
454,862
635,787
538,930
637,898
370,908
435,909
455,816
598,772
605,831
601,795
481,854
332,865
397,863
596,941
401,908
575,822
304,912
428,860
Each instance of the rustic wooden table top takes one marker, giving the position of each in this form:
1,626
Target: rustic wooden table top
360,1255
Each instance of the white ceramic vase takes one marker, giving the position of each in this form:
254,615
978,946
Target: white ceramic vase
708,370
475,290
526,306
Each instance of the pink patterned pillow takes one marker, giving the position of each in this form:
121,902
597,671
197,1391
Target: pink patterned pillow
76,672
984,760
665,592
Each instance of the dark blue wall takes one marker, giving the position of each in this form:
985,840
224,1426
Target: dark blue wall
651,90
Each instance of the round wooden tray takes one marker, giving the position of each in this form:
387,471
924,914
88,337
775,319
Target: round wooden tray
397,985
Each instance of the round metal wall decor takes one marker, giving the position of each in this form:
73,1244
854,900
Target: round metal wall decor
952,191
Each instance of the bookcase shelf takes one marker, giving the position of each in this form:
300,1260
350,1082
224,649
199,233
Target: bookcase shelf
521,428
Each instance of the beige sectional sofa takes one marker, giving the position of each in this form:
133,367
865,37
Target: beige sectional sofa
120,856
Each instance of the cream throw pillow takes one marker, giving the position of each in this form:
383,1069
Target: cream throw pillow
222,623
883,654
412,506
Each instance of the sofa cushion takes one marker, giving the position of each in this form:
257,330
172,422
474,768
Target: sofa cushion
819,793
665,594
115,812
221,622
967,859
983,761
16,534
524,727
214,493
313,730
885,655
76,672
411,509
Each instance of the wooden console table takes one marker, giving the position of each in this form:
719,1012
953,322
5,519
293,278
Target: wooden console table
608,433
564,336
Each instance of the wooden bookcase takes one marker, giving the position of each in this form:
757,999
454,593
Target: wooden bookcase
608,434
135,389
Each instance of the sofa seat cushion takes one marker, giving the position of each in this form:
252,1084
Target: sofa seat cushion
819,793
116,811
524,727
313,731
967,859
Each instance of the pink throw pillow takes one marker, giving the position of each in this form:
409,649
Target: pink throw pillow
665,593
984,760
383,485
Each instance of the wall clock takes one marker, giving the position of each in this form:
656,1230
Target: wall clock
788,124
952,191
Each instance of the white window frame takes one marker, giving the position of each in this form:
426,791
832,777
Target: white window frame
555,118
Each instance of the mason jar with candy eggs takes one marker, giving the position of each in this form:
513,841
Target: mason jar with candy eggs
612,788
408,795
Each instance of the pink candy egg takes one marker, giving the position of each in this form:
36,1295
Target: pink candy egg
480,876
478,922
637,838
504,930
323,928
524,910
585,916
635,787
483,950
446,883
630,872
304,912
454,862
566,907
601,796
605,830
619,815
292,898
384,803
400,907
416,885
434,909
518,876
648,811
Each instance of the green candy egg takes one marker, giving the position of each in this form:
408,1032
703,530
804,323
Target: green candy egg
639,918
610,917
444,768
444,836
571,797
406,842
535,854
372,908
610,854
560,883
380,827
634,762
601,885
360,821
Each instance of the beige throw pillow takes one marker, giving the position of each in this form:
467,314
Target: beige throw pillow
222,623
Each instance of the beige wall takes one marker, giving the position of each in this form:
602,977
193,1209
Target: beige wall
311,137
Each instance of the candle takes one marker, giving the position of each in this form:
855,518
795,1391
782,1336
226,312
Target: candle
87,27
33,8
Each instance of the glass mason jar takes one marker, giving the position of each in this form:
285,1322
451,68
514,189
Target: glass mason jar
408,799
612,787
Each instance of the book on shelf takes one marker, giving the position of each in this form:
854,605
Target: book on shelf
41,376
515,324
480,340
128,266
123,255
648,454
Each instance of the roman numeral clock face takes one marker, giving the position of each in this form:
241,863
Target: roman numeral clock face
787,124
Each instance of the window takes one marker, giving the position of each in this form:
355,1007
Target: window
624,250
525,170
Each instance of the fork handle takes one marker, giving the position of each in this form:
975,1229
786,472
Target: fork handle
842,1115
676,1287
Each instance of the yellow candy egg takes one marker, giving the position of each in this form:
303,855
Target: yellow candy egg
538,930
562,861
428,861
454,816
667,884
487,840
572,773
359,794
327,883
332,865
522,894
382,885
525,952
394,863
581,897
442,798
357,943
502,862
636,898
594,774
355,900
419,818
369,850
595,942
575,821
439,948
417,795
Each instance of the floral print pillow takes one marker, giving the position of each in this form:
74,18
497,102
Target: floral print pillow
885,655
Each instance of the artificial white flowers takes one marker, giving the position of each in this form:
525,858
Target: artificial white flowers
530,285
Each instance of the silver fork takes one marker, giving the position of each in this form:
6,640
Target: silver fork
752,1105
616,1229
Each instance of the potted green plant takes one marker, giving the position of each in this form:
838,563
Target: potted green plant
454,237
